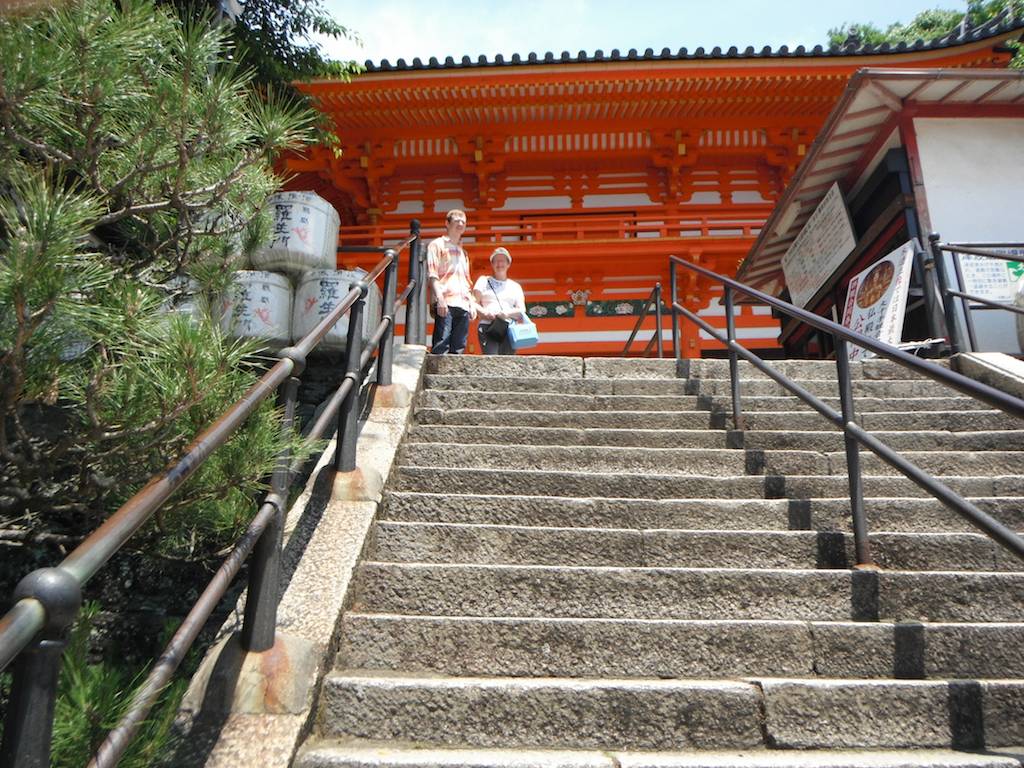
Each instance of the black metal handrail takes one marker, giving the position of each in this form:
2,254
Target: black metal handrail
958,341
46,602
845,419
655,296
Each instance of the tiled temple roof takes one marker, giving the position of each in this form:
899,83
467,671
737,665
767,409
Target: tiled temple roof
997,26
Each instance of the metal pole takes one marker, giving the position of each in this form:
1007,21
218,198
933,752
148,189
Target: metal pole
386,351
734,366
348,414
856,481
658,320
28,728
965,304
260,623
953,329
675,312
415,322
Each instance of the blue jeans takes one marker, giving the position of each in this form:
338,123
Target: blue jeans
450,332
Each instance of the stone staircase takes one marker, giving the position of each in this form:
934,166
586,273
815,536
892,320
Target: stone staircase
579,563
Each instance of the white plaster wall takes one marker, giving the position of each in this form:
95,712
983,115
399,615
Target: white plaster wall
973,173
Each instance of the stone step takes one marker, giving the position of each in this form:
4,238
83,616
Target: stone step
936,463
802,369
882,421
544,647
623,485
514,366
896,514
573,458
823,388
544,401
652,714
916,405
574,419
590,484
649,438
350,754
533,545
688,593
925,440
556,386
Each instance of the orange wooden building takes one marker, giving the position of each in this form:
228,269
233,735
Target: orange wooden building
593,169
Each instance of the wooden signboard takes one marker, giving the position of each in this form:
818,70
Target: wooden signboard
825,241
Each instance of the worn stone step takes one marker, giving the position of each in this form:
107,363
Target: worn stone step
349,754
575,458
544,401
966,714
925,440
679,486
649,438
915,405
544,712
937,463
671,714
828,514
555,386
591,484
546,647
566,418
834,486
688,593
533,545
823,388
513,366
897,421
803,369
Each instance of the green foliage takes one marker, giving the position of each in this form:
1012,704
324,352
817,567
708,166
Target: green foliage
926,25
93,696
134,159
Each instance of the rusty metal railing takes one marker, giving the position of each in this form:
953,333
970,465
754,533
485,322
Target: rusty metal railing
46,602
655,340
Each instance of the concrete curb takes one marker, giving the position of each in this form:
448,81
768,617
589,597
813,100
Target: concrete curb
255,709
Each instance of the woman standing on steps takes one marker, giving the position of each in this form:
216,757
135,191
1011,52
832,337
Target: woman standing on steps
499,301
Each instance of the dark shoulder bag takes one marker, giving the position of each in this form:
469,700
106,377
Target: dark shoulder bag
498,329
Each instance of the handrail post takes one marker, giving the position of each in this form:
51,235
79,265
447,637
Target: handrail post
386,351
348,414
28,728
734,366
259,626
965,304
415,318
861,544
675,313
956,337
658,320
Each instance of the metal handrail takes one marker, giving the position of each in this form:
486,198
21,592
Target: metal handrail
854,435
655,296
47,600
957,340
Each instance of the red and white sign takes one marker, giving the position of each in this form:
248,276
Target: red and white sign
876,299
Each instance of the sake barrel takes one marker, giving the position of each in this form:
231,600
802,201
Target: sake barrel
184,297
258,305
319,292
303,236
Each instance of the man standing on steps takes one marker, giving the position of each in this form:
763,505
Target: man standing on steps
450,288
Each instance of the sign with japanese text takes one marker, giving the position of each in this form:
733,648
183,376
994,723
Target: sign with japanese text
876,299
992,279
824,242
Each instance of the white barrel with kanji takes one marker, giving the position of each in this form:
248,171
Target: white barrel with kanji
258,305
303,234
321,291
184,297
1018,301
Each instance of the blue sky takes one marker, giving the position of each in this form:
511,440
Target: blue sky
392,29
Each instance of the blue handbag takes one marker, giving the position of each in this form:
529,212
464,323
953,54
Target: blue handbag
522,335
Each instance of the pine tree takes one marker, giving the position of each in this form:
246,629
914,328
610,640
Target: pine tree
134,158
